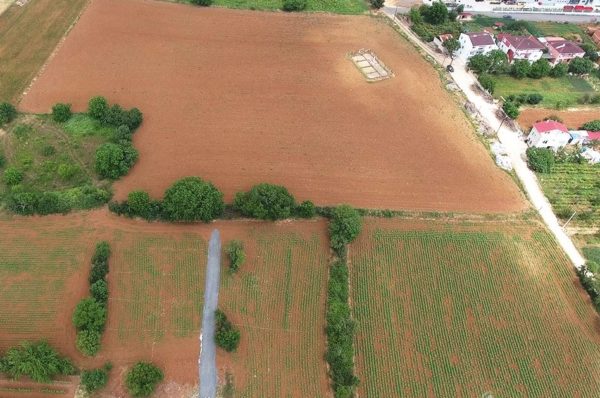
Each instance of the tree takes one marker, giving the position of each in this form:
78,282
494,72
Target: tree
306,209
460,9
39,361
540,159
377,4
293,5
534,99
99,291
61,112
142,379
344,227
12,176
226,335
559,70
511,109
520,68
539,69
192,199
415,16
265,201
498,61
479,63
235,251
591,51
437,14
99,262
98,108
581,66
89,315
139,203
451,45
487,82
114,161
7,113
593,125
95,379
203,3
88,342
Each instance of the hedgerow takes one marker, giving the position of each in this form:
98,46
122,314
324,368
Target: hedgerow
38,361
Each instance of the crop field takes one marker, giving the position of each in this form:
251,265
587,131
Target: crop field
29,35
572,188
466,309
277,299
566,90
288,96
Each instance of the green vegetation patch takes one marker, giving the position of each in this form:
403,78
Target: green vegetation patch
334,6
450,311
565,91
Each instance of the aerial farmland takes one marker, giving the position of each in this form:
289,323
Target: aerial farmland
367,243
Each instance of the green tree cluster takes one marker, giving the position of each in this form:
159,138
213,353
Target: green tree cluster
193,199
227,336
266,202
95,379
141,380
344,226
38,361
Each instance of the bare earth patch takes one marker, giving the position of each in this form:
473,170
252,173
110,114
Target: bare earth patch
240,97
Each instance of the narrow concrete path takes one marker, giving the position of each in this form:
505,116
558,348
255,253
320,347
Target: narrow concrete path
507,136
207,362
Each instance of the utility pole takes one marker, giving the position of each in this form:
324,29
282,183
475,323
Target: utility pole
569,220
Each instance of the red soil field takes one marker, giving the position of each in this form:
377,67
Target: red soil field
573,119
67,242
240,97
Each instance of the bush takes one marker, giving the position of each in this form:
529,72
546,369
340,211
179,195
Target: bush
89,315
24,203
511,109
235,251
114,161
539,69
88,342
98,108
344,227
487,82
67,171
377,4
581,66
139,203
226,336
192,199
7,113
99,291
142,379
559,70
95,379
293,5
520,68
593,125
340,332
61,112
540,159
12,176
39,361
266,202
534,99
306,209
204,3
51,203
99,263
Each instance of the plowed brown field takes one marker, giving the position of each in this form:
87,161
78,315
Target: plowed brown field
156,284
240,97
573,119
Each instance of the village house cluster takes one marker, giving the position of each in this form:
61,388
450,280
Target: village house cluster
555,135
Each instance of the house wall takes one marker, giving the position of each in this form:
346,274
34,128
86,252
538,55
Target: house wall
467,50
553,139
529,55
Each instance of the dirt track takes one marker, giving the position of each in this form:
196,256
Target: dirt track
241,97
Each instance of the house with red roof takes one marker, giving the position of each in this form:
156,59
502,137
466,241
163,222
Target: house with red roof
520,47
561,50
548,134
473,43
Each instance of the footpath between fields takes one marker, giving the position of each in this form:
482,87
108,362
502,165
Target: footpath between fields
508,137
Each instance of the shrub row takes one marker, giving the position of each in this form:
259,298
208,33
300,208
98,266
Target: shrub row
588,277
38,361
193,199
227,336
90,314
235,251
29,202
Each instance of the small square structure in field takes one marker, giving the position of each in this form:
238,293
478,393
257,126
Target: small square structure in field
370,66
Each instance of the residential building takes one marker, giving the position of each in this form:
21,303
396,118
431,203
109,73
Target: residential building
561,50
596,37
591,155
548,134
578,137
520,47
473,43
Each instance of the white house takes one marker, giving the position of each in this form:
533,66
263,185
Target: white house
520,47
473,43
578,137
548,134
591,155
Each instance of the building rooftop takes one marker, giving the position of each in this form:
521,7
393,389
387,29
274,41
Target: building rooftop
550,125
481,38
563,46
521,42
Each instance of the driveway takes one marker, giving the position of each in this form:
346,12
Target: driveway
509,138
207,362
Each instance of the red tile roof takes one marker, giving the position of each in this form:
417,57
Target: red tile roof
550,125
596,36
563,46
521,42
481,38
594,135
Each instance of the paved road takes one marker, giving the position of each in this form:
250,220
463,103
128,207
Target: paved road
509,138
207,362
543,17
